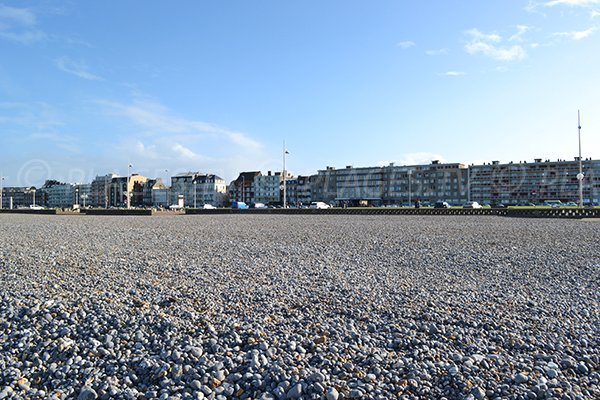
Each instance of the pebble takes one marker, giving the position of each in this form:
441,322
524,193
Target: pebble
299,307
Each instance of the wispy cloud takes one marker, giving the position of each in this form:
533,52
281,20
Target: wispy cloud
521,30
184,152
65,142
19,25
490,45
595,13
454,73
438,52
37,116
77,68
406,44
156,118
578,3
576,35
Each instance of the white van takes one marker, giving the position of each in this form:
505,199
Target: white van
318,205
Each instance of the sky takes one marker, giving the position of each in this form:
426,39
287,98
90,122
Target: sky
88,88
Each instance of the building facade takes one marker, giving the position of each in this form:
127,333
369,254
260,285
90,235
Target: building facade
534,182
119,189
267,188
299,191
375,186
242,189
58,194
198,189
100,190
155,193
210,189
18,197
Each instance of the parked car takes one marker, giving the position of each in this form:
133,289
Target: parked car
258,205
318,205
553,203
472,204
208,207
441,204
570,204
239,205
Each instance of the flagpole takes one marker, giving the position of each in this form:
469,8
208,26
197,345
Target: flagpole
283,177
580,174
127,189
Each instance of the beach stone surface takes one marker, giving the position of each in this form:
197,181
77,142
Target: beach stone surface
299,307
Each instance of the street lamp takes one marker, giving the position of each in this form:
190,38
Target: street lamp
194,185
409,188
33,197
1,190
580,175
283,173
243,184
83,197
77,197
127,189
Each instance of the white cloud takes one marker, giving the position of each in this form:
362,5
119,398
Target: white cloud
521,30
439,52
406,44
417,158
184,152
579,3
157,119
490,45
19,25
576,35
595,13
454,73
77,68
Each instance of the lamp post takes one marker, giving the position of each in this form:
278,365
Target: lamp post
243,184
194,186
468,183
127,191
283,173
1,190
409,188
33,197
83,197
77,197
580,175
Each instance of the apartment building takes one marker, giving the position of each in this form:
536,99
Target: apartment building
155,193
534,182
119,188
267,188
324,185
198,188
392,184
242,189
427,183
210,189
100,190
299,191
15,197
57,194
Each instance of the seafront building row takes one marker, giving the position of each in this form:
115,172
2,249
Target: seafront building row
488,183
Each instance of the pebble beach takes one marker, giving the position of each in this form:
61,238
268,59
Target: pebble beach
299,307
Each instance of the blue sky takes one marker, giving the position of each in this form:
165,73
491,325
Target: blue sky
86,87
